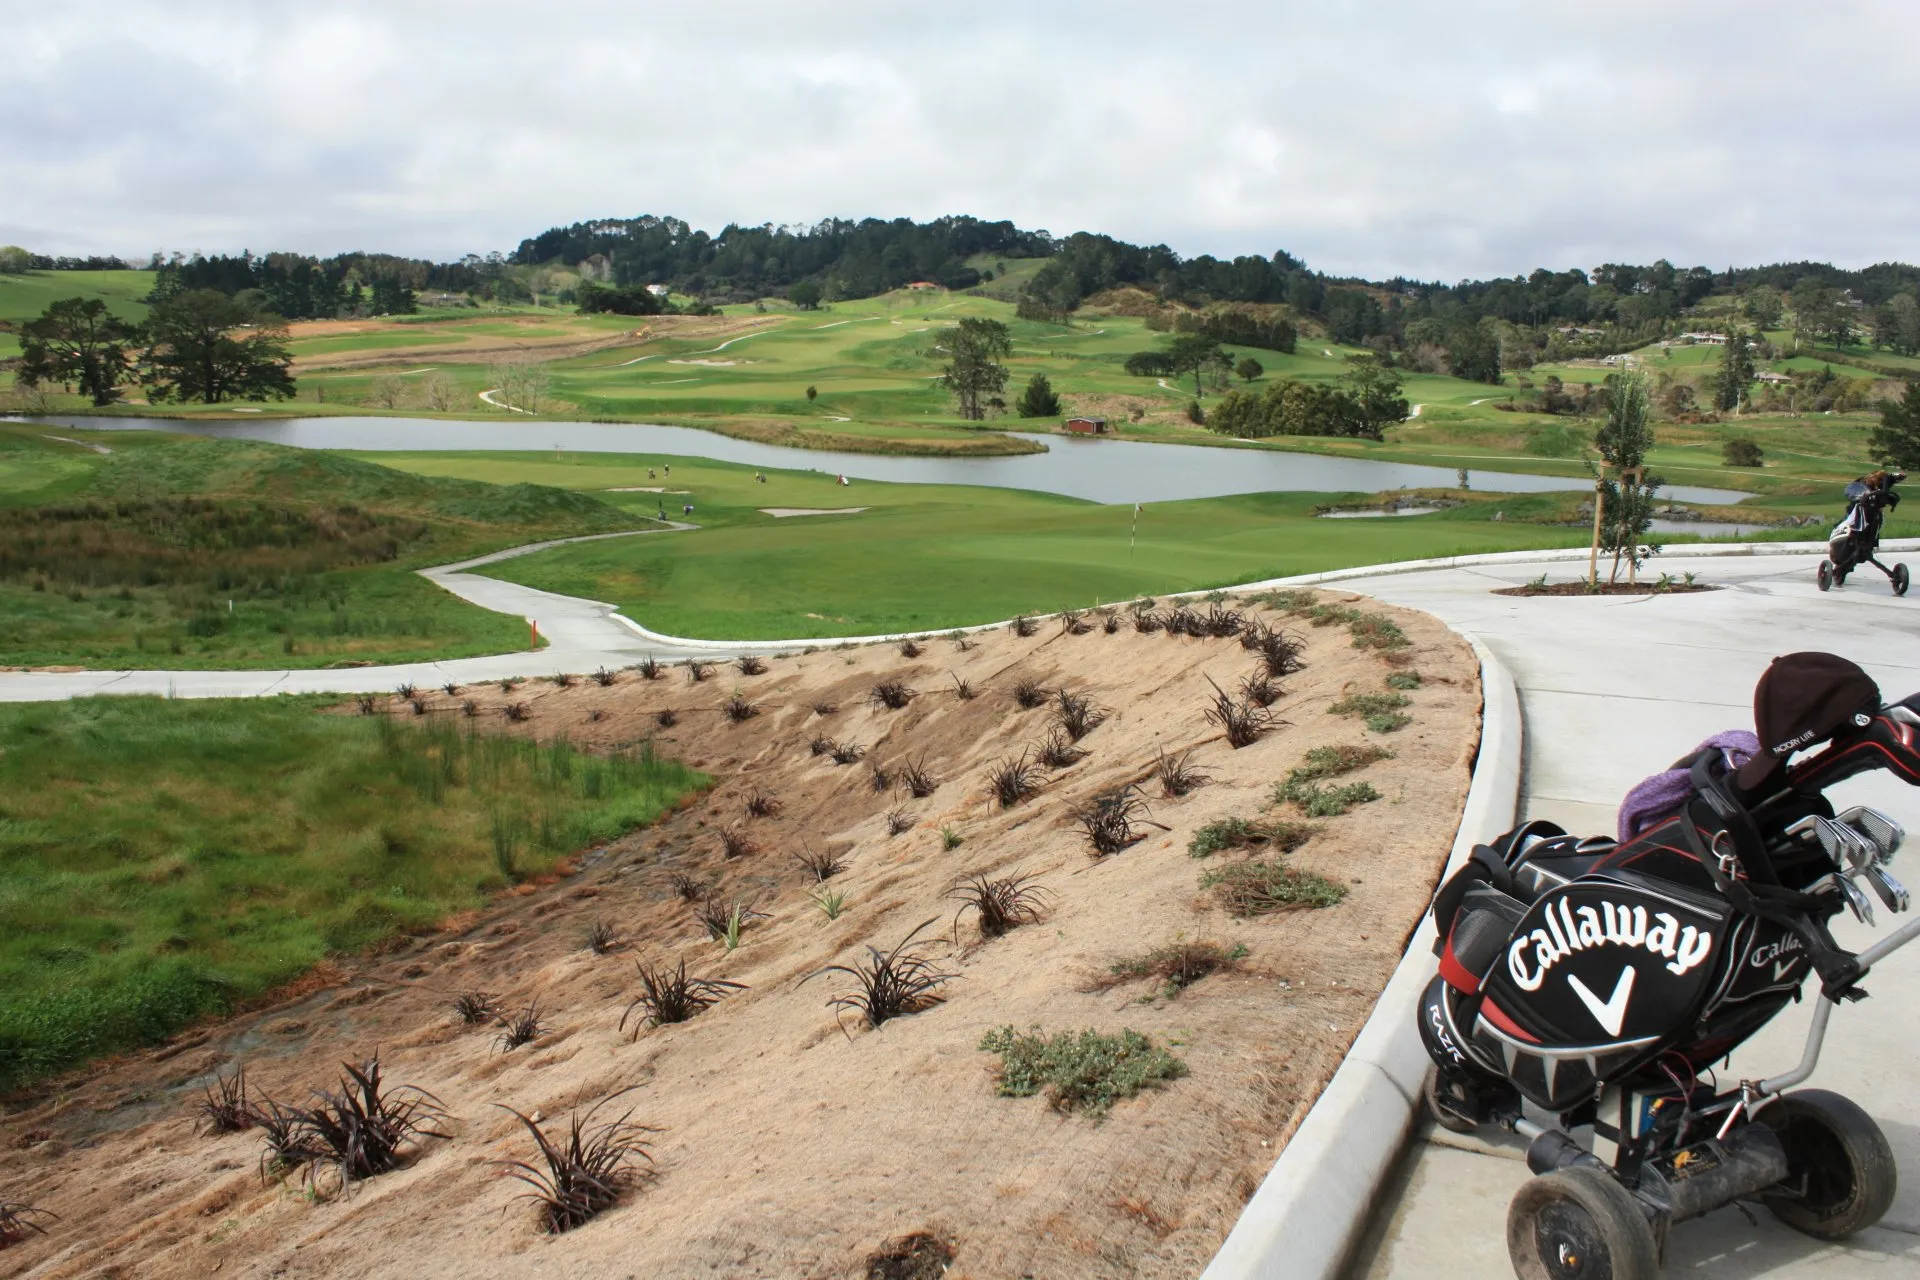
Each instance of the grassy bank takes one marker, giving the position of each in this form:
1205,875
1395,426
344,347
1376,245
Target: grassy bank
160,860
932,556
929,556
190,553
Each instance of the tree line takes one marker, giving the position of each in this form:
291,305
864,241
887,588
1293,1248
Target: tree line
846,259
296,287
16,261
196,344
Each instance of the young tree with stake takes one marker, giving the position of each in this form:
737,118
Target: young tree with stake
1623,488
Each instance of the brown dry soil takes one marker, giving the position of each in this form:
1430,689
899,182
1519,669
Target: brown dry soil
790,1145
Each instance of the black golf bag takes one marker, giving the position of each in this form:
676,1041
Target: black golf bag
1600,982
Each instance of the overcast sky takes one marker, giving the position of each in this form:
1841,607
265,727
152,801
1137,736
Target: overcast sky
1436,140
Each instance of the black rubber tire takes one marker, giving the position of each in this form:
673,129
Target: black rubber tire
1451,1121
1841,1158
1579,1224
1824,575
1899,579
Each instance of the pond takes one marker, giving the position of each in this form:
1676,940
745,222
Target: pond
1106,471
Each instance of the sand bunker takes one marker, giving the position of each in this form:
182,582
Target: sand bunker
785,1147
781,513
712,363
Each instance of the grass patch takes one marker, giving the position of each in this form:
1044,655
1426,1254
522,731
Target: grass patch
1079,1070
1380,712
1318,801
956,555
1176,966
160,860
1332,762
1368,704
224,553
1369,630
1241,833
1261,887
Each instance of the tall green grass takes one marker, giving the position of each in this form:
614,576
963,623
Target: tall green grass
232,553
161,860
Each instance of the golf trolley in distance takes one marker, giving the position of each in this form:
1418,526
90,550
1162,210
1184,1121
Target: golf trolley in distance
1856,538
1653,981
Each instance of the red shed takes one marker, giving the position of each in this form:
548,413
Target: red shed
1087,426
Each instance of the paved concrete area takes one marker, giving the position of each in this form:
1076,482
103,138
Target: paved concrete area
1615,688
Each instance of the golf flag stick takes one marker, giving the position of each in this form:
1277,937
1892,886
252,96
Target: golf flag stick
1132,537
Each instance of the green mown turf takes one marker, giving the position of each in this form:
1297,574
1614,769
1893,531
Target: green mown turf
160,860
925,556
22,297
928,556
192,553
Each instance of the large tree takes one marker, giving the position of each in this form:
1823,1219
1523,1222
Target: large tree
79,343
1191,353
1473,354
1896,441
1736,372
206,346
974,373
1375,391
1820,314
1762,305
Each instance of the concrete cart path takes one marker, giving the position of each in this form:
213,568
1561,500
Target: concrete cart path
1612,689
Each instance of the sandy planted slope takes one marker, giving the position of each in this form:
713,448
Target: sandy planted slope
787,1148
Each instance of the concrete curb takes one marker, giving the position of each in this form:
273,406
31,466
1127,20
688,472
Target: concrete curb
1307,1216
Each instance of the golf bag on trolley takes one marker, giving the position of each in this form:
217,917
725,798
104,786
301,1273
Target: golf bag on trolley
1856,539
1598,981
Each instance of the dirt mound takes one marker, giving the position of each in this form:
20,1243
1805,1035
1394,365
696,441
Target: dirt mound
790,1144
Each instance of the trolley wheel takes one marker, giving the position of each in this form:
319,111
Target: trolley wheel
1900,579
1436,1095
1840,1171
1579,1224
1824,575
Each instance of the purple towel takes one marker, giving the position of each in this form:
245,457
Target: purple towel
1663,793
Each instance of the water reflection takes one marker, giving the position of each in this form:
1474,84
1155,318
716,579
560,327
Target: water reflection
1108,471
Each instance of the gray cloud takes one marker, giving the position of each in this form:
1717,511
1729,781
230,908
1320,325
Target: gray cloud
1478,137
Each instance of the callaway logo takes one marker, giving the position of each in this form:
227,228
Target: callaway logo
1612,1012
1570,929
1779,955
